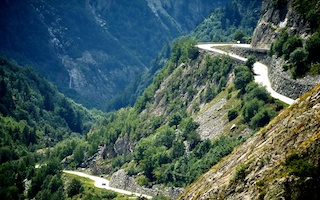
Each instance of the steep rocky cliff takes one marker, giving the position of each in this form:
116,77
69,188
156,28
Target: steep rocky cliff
276,17
280,161
92,49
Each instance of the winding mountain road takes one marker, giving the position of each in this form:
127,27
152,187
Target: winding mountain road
260,77
260,70
104,183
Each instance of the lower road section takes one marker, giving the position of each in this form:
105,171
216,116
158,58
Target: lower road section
104,183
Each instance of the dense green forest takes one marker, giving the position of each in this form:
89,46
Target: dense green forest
34,117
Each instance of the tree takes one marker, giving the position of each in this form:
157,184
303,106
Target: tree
262,117
75,187
210,94
239,36
175,120
312,46
250,62
277,45
243,77
177,150
290,45
299,59
232,114
78,153
165,137
250,108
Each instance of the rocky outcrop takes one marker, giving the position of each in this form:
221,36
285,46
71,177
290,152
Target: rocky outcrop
275,18
123,145
282,82
121,180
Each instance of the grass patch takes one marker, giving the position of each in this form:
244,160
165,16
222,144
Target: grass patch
92,192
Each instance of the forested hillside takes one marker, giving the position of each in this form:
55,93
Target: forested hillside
157,141
34,117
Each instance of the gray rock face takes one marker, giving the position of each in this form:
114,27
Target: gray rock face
123,145
274,19
284,84
121,180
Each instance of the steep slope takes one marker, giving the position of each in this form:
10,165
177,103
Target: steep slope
197,109
280,161
287,28
92,49
277,15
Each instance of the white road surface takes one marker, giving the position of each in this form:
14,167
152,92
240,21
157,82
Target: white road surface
104,183
261,71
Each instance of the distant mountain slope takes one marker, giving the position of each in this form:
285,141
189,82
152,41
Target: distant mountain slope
48,115
92,49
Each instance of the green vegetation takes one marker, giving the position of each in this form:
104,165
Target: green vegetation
168,149
279,3
257,108
300,166
301,58
301,55
310,10
240,172
34,117
75,187
83,188
234,21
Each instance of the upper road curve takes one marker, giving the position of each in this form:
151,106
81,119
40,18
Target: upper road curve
260,70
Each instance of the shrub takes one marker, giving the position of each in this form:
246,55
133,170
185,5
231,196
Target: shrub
277,45
315,69
312,46
239,36
262,117
108,194
299,59
299,166
250,108
255,91
250,62
74,188
287,66
290,45
241,172
232,114
243,77
142,180
279,3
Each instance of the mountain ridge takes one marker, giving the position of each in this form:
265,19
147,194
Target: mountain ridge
86,48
